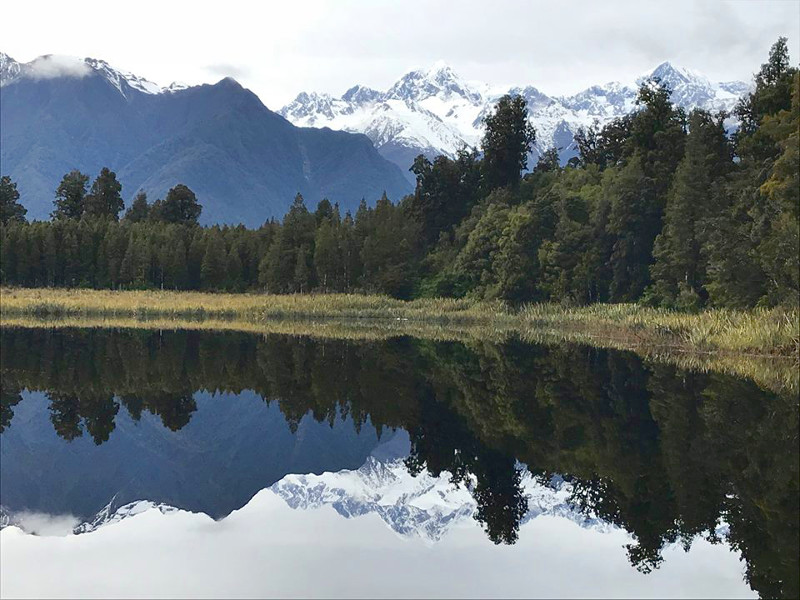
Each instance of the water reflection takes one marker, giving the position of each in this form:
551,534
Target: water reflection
666,455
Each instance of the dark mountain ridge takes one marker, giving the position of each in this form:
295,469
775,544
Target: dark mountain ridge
244,162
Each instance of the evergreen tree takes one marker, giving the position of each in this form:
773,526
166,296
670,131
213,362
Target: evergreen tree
10,209
445,192
773,90
388,253
507,141
638,192
549,161
234,270
70,196
180,206
104,198
280,272
139,210
679,271
744,267
215,261
324,211
327,257
301,280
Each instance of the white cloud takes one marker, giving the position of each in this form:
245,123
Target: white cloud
44,524
54,65
267,549
278,49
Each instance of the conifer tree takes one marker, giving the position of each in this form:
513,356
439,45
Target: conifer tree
215,262
104,199
10,208
139,210
327,257
180,206
70,196
507,141
679,271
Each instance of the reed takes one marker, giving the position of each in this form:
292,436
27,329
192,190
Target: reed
759,344
253,308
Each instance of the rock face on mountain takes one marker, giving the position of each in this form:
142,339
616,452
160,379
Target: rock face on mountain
244,162
434,111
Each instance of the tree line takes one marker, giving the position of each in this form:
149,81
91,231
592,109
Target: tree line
659,206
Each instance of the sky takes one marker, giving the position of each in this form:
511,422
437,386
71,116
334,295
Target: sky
278,49
267,549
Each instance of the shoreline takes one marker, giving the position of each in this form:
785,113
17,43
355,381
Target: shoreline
759,344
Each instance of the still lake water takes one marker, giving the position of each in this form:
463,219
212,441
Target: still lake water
175,463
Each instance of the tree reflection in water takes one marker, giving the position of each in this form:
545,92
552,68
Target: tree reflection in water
663,453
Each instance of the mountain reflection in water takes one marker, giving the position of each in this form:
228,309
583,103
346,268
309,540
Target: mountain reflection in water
202,421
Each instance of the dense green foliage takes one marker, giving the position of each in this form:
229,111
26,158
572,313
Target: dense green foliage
663,453
660,207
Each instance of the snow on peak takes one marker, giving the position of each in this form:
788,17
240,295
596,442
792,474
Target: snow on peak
438,80
434,111
120,79
51,66
111,514
9,68
359,95
175,86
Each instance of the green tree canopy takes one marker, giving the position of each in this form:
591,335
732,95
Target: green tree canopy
10,208
70,196
139,210
507,140
104,198
180,206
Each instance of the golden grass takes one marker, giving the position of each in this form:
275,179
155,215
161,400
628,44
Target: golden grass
252,308
760,344
773,332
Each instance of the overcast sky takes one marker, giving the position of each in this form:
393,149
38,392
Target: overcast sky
279,49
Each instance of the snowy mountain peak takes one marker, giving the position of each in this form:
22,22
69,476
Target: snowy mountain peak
360,95
119,79
9,68
690,88
438,80
175,86
50,66
434,111
675,75
111,514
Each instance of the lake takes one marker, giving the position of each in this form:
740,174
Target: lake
208,464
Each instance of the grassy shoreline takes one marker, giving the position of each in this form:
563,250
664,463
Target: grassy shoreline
758,332
761,345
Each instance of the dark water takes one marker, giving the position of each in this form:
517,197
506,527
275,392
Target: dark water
203,421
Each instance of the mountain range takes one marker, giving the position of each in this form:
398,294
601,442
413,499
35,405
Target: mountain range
213,465
244,161
423,506
435,111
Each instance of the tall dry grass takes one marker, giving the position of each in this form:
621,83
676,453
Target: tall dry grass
758,344
254,308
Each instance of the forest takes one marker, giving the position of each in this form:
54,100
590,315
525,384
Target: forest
659,207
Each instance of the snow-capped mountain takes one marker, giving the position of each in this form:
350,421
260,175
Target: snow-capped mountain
111,514
434,111
50,66
424,506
